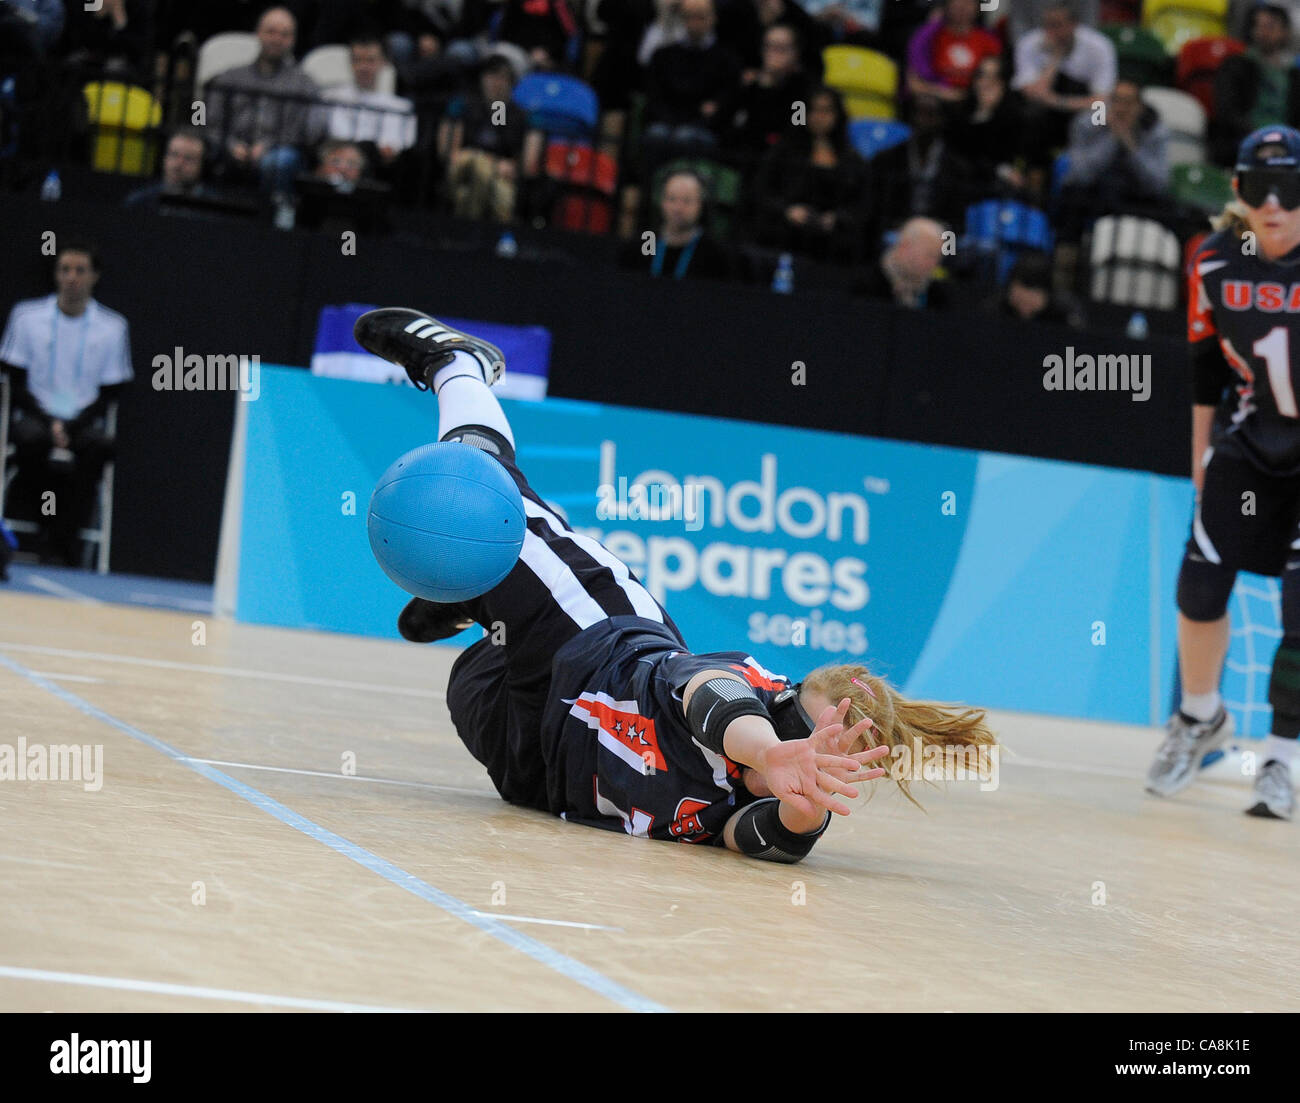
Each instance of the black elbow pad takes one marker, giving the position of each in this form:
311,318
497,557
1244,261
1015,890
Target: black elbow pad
716,704
761,834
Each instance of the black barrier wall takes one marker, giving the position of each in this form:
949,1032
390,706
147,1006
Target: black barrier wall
960,378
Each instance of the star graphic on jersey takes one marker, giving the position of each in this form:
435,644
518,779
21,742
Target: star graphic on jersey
618,727
638,736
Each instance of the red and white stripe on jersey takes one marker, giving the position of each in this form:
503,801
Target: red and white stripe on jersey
621,728
1238,362
1200,314
759,677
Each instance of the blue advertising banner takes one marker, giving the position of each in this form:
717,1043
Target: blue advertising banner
1004,581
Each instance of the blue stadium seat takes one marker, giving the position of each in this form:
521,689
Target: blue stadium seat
1000,229
559,105
872,136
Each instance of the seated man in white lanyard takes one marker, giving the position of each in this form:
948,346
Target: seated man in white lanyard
67,357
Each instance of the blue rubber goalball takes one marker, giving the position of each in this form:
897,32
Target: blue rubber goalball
446,522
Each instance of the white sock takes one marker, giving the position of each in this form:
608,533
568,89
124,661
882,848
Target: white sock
467,400
462,363
1284,750
1201,706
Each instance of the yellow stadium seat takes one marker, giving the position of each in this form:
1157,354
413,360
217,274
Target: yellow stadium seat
1177,22
867,79
125,120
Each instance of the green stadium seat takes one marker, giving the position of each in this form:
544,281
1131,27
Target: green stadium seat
1142,56
1205,187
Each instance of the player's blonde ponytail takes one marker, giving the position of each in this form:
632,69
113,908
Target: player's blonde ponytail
1232,218
906,726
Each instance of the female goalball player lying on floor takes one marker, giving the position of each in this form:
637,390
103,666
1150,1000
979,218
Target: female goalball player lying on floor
592,707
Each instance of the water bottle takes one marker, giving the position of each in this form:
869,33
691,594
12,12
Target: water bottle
783,277
1137,326
507,247
52,189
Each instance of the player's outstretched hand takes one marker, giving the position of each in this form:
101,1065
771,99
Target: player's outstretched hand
831,737
800,776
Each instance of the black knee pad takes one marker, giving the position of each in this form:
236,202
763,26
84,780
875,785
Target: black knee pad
1204,588
480,436
1284,688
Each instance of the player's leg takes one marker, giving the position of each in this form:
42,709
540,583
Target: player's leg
1274,794
1201,724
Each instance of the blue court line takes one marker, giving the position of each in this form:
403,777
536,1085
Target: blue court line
538,951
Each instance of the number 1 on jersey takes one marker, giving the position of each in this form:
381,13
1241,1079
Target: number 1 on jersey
1274,349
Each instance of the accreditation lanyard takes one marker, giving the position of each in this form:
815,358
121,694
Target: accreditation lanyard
81,346
683,262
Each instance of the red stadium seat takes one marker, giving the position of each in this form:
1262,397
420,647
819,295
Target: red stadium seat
586,181
1198,61
1120,11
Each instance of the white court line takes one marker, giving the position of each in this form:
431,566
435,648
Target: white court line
60,590
548,922
199,993
170,602
57,677
229,671
342,777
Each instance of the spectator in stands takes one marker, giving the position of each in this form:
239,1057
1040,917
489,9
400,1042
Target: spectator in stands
182,174
765,106
986,132
545,30
419,28
1259,87
29,28
1028,295
116,37
1061,68
341,164
68,356
362,113
908,272
260,114
922,176
743,25
1120,162
681,249
690,88
811,187
483,146
943,54
1026,16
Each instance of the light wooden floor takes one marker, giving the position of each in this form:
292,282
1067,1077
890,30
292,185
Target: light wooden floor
385,889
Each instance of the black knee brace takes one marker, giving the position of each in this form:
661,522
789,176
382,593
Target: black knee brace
1204,588
1284,688
761,834
480,436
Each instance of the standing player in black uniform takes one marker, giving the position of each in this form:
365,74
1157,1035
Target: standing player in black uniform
592,707
1244,293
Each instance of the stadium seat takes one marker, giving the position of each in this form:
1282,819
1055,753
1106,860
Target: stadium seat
1141,55
1134,262
124,124
559,105
1177,22
724,184
222,52
331,67
872,136
1205,187
585,181
1198,61
1184,118
999,230
867,79
1060,168
1119,11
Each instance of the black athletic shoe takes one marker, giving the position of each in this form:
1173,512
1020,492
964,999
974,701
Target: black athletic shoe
422,345
425,621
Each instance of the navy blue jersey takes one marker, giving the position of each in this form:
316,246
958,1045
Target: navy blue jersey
1246,348
619,753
